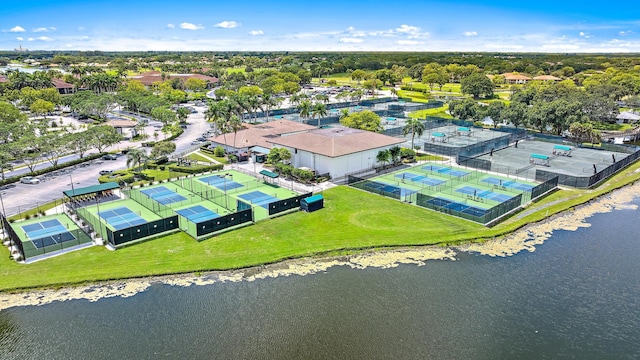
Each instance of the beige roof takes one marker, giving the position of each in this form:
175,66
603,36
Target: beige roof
334,142
512,76
61,84
258,135
121,123
151,77
547,78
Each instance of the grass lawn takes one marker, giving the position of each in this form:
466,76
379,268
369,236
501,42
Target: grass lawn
352,220
198,157
440,112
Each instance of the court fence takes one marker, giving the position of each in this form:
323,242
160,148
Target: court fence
283,205
198,230
29,250
123,236
588,181
461,210
372,187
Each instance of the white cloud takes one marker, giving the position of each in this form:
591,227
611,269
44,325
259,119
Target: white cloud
19,38
409,42
81,28
17,29
351,40
584,34
171,26
227,24
190,26
256,32
44,29
623,33
408,29
41,38
470,33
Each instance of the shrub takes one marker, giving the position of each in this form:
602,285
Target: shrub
218,151
195,169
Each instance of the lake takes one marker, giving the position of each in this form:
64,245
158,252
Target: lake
576,296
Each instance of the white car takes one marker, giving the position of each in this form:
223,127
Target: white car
29,180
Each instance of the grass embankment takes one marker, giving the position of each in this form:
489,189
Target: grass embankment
352,220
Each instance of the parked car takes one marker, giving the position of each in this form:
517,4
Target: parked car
29,180
106,172
110,157
201,139
196,142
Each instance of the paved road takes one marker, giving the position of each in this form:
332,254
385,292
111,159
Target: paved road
25,196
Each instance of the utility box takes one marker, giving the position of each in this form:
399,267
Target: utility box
312,203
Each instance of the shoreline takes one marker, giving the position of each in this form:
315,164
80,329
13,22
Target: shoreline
525,238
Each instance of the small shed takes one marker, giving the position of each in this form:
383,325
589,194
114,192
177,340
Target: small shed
312,203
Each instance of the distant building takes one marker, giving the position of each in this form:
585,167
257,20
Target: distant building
124,127
338,151
512,78
626,117
547,78
21,49
63,87
149,78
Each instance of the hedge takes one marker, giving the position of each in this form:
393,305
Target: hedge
13,179
118,177
195,169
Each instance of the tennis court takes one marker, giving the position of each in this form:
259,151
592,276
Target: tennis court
163,195
512,184
456,206
387,188
484,194
221,182
446,170
258,198
419,178
197,214
47,233
121,218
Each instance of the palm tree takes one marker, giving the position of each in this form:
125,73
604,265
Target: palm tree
383,156
413,126
394,92
319,110
344,113
305,108
269,102
136,157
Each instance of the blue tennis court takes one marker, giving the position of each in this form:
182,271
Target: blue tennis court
197,214
459,207
510,184
163,195
221,182
419,179
485,194
382,187
47,233
445,170
258,198
121,218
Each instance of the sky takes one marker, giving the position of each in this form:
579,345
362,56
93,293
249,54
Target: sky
329,25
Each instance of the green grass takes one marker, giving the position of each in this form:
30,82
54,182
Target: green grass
440,112
429,157
612,127
198,157
353,220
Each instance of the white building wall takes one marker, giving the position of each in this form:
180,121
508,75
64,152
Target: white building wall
338,166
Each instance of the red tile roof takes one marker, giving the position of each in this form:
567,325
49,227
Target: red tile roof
512,76
547,78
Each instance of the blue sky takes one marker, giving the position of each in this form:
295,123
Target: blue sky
407,25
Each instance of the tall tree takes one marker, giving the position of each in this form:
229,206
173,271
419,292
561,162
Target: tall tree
477,85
